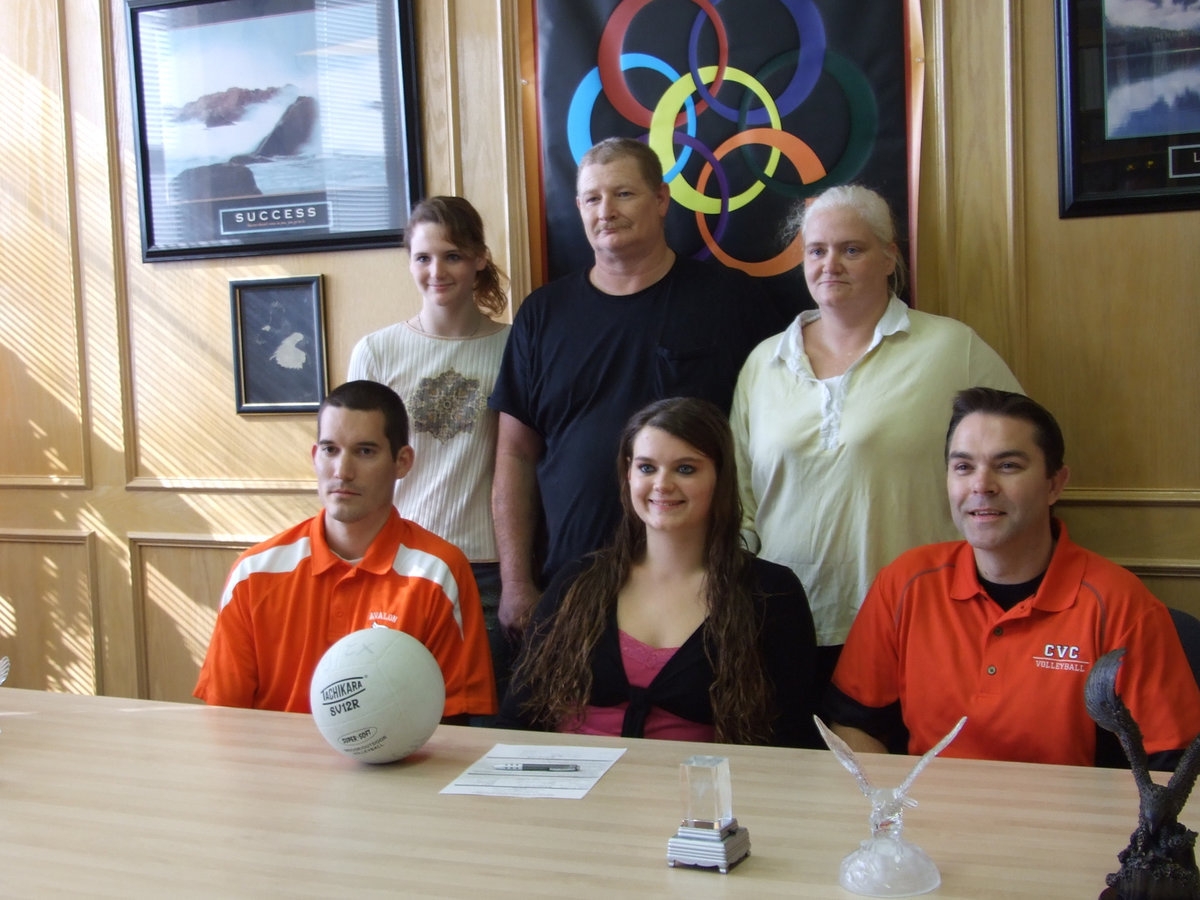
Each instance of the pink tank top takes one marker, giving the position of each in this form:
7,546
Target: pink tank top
642,664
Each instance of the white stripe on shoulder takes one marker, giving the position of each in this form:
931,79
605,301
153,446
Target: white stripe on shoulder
284,558
420,564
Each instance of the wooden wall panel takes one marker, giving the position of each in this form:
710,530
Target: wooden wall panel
48,622
40,363
1158,539
979,218
177,586
1112,333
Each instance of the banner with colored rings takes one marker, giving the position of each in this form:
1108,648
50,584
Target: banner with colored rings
752,106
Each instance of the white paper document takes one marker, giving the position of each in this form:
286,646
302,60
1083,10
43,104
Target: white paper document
515,770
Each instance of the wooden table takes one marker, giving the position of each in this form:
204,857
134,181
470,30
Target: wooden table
104,796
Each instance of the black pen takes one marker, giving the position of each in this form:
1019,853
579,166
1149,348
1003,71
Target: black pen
537,767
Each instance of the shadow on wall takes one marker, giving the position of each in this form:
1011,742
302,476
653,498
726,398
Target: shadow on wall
50,607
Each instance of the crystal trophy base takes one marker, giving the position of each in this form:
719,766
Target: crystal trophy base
708,848
885,866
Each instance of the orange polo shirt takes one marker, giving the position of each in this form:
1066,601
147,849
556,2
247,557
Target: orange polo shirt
929,636
288,599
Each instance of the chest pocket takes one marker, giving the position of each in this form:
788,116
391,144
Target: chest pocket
697,371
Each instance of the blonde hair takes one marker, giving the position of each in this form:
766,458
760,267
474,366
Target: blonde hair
868,205
615,148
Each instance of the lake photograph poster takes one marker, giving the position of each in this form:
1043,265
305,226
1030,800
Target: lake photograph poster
1151,67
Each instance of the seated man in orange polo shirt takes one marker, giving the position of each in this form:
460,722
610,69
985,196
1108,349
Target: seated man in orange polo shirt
357,564
1003,627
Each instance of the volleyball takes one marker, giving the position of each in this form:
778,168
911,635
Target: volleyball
377,695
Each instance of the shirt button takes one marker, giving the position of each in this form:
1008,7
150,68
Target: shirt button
991,670
998,630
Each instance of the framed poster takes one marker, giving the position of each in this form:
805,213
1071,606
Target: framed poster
1128,106
279,363
272,126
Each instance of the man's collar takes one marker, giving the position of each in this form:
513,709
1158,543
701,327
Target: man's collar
1061,579
377,559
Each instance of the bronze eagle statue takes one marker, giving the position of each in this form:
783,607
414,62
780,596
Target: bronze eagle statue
1160,861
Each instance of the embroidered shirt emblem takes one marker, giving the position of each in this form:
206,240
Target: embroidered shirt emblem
1062,657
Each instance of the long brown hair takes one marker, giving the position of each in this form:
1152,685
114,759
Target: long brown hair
557,664
464,229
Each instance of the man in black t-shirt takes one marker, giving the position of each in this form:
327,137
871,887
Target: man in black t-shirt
590,349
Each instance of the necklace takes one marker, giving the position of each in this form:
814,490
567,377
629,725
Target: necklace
421,328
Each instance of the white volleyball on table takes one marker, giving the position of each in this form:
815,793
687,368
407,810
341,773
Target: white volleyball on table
377,695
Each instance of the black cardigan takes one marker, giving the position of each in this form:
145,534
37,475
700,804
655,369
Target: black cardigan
788,642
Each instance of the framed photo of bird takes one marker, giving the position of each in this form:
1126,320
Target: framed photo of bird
279,361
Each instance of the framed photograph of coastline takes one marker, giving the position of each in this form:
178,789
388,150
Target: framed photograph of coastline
279,363
1128,106
272,126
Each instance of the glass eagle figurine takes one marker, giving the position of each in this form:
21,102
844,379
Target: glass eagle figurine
886,865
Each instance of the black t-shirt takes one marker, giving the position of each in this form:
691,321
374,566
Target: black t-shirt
1006,596
580,362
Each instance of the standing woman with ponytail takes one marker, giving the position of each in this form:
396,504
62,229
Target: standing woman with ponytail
674,631
443,363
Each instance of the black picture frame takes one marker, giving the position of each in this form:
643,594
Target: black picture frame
279,359
273,126
1128,124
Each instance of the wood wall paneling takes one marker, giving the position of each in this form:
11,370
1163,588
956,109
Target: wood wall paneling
41,377
485,150
513,217
1156,535
177,586
978,218
48,616
1112,332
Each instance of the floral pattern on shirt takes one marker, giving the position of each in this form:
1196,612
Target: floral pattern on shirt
446,405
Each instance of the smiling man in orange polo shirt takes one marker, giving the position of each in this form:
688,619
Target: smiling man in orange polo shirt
357,564
1004,626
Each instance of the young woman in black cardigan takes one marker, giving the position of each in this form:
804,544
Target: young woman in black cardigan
676,630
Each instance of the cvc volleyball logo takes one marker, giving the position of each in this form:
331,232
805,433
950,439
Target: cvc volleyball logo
1062,658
